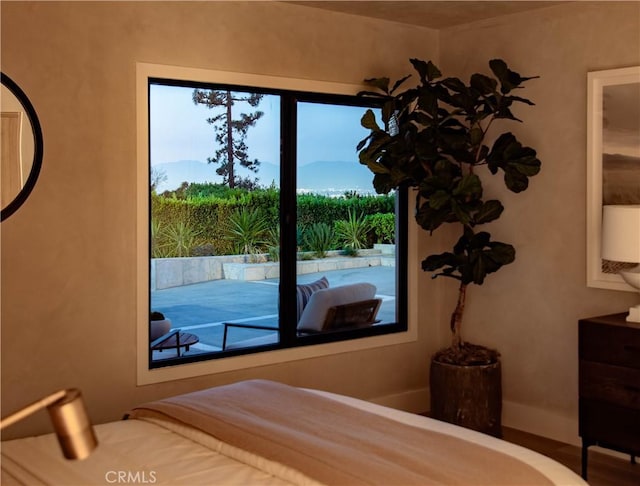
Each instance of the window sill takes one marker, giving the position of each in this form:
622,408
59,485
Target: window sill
147,376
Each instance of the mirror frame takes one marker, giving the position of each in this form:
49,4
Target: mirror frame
597,81
29,184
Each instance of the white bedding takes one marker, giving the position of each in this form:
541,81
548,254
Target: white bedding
149,452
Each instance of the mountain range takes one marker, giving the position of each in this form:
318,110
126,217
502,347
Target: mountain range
322,177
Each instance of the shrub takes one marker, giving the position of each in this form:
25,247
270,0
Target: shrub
348,251
383,227
318,238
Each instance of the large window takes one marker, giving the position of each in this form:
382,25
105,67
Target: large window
264,231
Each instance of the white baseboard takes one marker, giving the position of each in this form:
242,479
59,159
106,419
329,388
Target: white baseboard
526,418
414,401
515,415
540,422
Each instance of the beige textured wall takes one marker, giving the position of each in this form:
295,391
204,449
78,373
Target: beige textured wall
68,255
530,309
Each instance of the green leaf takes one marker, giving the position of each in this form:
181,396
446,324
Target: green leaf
461,211
362,143
434,262
424,119
516,161
383,183
527,162
515,181
483,84
426,70
502,253
430,219
461,100
522,100
454,84
478,256
507,79
469,186
439,199
374,94
476,135
428,101
397,84
380,83
490,211
377,167
484,151
369,121
478,240
491,260
378,141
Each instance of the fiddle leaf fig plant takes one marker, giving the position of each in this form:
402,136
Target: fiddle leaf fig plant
435,137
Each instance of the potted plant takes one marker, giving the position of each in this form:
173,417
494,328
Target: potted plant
436,139
160,325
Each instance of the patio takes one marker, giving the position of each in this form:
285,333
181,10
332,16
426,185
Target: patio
203,308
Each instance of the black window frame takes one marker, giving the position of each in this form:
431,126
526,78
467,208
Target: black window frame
288,222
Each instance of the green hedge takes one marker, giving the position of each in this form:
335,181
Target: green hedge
207,215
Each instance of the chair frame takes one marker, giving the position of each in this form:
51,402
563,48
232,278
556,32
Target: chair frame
354,315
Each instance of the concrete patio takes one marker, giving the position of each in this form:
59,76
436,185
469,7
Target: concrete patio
202,308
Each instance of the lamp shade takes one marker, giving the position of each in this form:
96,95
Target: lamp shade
73,428
70,421
621,233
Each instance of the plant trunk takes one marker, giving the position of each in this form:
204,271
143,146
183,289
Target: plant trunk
230,161
456,317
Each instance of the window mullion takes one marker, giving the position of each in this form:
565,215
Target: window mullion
288,219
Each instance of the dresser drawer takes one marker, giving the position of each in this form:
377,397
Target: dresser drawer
617,345
610,425
608,383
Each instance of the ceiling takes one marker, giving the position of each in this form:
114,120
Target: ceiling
432,14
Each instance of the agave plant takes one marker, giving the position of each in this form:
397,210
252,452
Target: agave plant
273,243
352,232
155,228
318,238
248,230
180,238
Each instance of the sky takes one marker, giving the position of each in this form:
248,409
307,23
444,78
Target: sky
179,129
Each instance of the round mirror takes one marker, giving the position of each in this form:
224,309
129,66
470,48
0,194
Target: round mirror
21,147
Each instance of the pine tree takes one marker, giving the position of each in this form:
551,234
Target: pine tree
231,134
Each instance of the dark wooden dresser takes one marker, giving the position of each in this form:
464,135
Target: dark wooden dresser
609,387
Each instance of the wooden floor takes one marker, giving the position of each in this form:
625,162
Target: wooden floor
603,470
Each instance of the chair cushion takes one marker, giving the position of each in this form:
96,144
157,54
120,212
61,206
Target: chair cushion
315,312
304,291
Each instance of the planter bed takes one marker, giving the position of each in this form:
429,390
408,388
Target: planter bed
175,272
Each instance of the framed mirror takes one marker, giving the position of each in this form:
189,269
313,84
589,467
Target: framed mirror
21,147
613,162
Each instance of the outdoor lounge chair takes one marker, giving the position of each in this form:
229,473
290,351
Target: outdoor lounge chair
327,310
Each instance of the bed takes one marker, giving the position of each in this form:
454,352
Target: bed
259,432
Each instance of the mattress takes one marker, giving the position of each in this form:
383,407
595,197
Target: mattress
154,451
